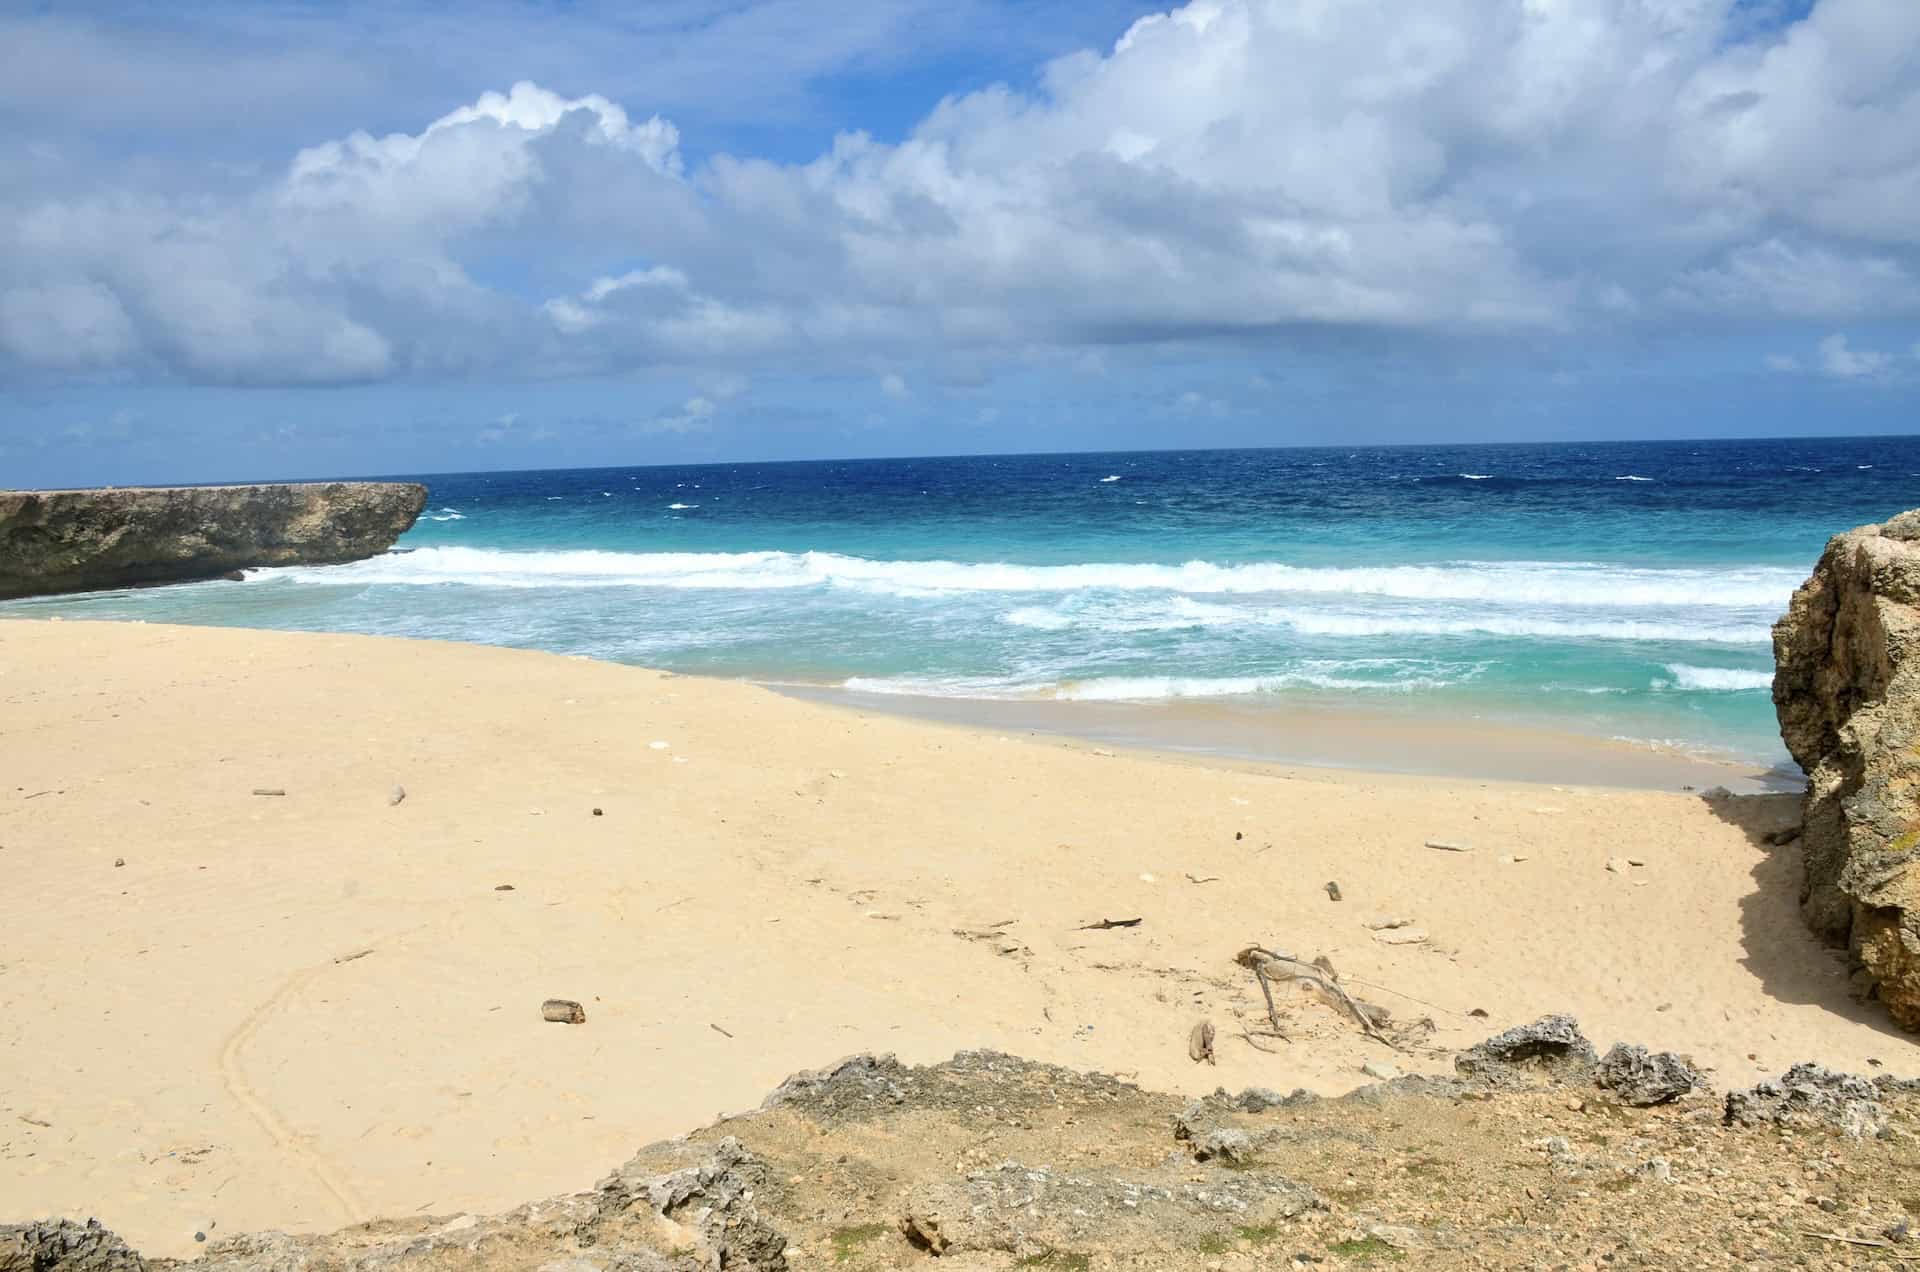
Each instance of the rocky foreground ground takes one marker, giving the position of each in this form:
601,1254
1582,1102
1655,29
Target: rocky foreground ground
1538,1154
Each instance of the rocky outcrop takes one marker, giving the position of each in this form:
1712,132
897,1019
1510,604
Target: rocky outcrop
989,1161
85,540
1847,690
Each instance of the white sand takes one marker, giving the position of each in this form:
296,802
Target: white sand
303,1010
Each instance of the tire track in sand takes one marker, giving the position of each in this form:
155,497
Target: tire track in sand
287,1140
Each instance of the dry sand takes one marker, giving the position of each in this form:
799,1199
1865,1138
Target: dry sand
295,1011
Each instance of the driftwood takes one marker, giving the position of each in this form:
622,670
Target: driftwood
1104,924
1200,1043
1269,965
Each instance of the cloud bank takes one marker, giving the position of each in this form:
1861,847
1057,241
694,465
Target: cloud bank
1232,170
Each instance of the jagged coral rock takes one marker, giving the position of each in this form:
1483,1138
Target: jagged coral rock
83,540
1846,687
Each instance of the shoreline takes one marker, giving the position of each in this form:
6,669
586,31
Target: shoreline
303,1009
1335,738
1327,735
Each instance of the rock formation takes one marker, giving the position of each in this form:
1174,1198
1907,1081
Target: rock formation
1847,689
988,1161
83,540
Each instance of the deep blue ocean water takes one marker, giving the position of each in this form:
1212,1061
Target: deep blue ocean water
1620,589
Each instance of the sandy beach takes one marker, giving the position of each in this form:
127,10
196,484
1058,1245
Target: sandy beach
297,1010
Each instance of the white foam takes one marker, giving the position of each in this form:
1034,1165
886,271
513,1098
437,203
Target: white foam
1631,477
1115,477
1532,584
1132,688
1719,679
1522,626
447,514
1478,476
676,507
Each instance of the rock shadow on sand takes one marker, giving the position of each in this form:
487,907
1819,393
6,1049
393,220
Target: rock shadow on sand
1793,965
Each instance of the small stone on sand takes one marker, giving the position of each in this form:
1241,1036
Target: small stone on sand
1380,1070
1618,865
656,746
1447,845
1402,936
395,795
563,1011
1384,923
1333,890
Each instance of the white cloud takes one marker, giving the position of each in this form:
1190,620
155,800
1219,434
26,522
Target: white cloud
1782,362
1232,168
695,416
1837,359
895,387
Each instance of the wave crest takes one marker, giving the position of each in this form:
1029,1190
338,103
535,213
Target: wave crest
1532,583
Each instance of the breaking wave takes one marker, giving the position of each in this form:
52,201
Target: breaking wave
1532,584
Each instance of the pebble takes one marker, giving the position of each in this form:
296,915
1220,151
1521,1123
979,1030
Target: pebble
598,813
1333,890
1618,865
1447,845
395,795
119,861
1380,1069
656,746
1512,859
1382,923
1402,936
563,1011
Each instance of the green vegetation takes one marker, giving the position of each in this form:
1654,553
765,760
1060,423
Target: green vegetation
1366,1250
847,1241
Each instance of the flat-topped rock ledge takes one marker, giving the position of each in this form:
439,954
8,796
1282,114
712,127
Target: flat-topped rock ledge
86,540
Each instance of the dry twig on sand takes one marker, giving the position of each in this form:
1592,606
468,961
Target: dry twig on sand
1266,964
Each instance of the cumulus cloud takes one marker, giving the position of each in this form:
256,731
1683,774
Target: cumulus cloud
1837,359
694,416
1232,169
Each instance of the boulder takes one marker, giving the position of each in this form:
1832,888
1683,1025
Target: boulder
85,540
1809,1095
1551,1045
1642,1078
1846,687
65,1245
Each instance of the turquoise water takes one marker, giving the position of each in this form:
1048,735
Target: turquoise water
1623,590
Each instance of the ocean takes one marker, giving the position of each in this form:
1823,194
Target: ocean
1618,590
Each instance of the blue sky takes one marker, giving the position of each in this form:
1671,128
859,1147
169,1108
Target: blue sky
285,239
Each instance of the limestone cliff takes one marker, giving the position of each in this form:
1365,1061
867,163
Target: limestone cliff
1846,686
83,540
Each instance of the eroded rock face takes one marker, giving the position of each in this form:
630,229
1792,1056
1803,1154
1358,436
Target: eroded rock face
1847,690
84,540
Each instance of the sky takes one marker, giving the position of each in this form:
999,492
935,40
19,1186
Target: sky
293,239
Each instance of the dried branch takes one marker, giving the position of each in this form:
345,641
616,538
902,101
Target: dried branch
1265,964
